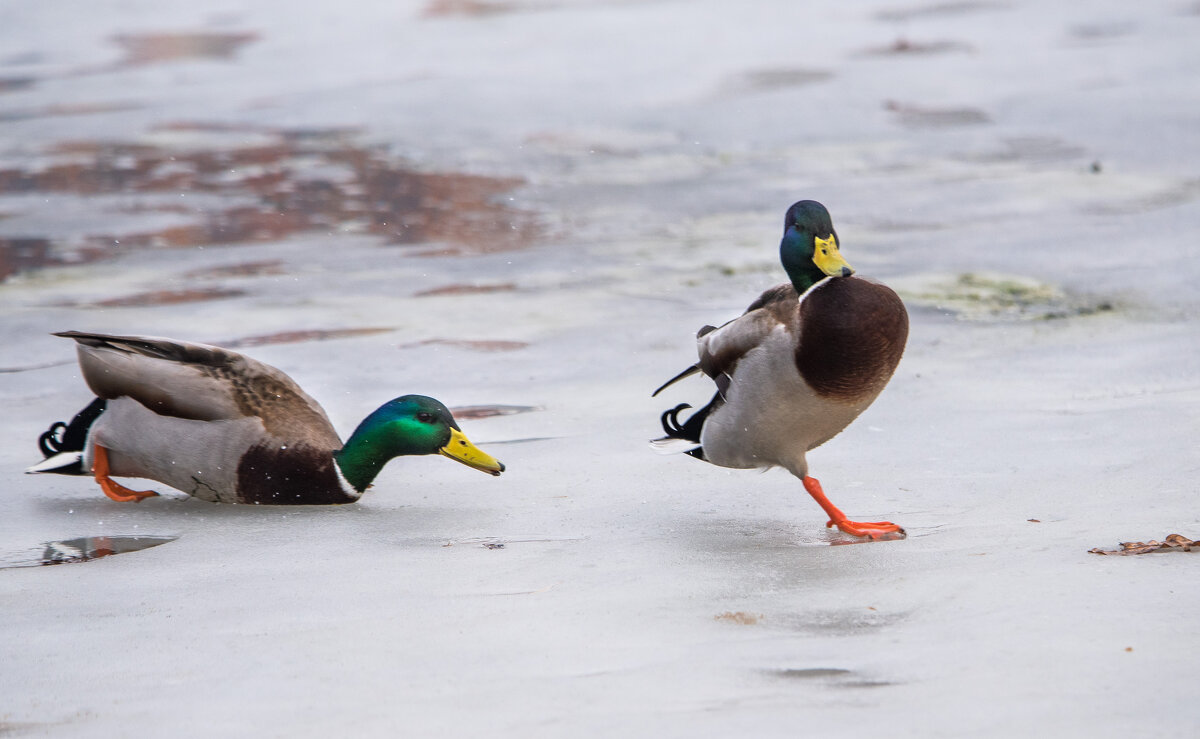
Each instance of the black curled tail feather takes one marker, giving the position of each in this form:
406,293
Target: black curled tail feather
688,430
675,429
49,443
71,437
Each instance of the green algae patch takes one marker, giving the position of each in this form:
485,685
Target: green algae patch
990,296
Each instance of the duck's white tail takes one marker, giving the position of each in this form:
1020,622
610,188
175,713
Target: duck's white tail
63,463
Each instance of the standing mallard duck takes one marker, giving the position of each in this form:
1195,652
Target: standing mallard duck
226,428
797,367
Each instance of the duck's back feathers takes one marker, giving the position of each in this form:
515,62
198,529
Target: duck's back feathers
202,383
778,300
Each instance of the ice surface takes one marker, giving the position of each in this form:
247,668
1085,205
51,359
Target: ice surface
656,146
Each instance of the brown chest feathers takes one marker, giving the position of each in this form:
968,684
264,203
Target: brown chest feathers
852,334
302,475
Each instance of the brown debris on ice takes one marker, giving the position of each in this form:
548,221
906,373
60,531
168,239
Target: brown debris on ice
1173,543
739,617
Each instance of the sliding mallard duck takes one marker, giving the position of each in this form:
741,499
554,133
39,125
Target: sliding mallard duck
226,428
797,367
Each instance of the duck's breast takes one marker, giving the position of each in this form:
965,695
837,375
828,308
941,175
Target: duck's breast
852,334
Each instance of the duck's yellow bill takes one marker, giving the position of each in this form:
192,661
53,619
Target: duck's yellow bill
460,448
828,259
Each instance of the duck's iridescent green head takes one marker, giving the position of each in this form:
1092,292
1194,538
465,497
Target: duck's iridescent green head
409,425
809,249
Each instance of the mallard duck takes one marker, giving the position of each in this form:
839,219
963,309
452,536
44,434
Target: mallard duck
226,428
797,367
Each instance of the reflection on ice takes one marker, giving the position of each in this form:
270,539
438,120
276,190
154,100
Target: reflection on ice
94,547
488,411
83,549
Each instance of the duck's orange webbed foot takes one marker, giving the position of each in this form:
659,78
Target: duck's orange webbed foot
111,488
877,530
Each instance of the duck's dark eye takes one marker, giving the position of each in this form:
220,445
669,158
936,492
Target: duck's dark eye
425,417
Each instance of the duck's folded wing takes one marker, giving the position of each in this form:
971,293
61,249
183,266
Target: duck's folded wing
186,380
721,348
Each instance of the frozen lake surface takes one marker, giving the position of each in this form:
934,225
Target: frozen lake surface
536,204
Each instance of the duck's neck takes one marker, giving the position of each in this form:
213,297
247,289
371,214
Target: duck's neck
363,456
803,282
797,260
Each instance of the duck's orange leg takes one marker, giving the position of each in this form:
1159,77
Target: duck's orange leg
873,530
112,489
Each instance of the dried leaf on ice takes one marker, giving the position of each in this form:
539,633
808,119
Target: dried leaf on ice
1174,542
739,617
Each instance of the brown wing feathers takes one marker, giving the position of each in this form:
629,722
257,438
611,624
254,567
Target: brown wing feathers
200,382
